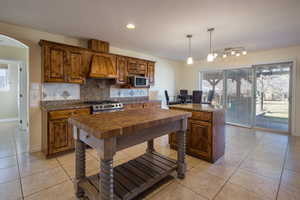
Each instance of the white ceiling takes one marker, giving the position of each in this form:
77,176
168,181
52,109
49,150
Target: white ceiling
161,25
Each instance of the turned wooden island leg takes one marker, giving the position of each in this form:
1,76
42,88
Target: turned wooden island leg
181,137
106,183
79,166
150,146
106,179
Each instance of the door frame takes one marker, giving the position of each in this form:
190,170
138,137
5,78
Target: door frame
21,64
292,90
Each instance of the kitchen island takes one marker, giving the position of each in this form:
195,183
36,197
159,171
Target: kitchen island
206,131
114,131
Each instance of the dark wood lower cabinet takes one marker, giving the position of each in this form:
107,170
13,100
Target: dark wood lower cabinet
57,136
200,138
60,136
205,139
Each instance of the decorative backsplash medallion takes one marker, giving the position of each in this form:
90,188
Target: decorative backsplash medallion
121,92
60,91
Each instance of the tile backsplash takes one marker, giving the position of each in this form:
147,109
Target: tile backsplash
60,91
95,89
92,90
121,92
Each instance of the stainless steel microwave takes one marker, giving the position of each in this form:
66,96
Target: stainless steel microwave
138,81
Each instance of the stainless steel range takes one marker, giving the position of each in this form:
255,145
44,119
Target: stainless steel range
105,106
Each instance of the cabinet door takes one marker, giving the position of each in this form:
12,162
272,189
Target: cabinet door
132,66
75,69
151,72
142,67
54,63
60,136
200,137
122,69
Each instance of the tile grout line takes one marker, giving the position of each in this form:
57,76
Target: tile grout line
45,189
238,167
59,163
283,167
19,173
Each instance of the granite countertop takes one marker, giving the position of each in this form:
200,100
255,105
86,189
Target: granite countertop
197,107
123,123
76,104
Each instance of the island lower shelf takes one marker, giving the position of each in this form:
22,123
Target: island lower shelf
133,177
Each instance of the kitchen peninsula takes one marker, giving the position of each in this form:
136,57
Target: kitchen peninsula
109,132
205,133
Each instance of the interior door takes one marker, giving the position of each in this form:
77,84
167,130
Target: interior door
23,98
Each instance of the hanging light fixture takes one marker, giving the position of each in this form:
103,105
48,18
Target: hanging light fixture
211,56
190,60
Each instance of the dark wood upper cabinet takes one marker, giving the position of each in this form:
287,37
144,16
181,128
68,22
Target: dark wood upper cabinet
75,69
151,72
70,64
54,63
61,63
137,67
122,70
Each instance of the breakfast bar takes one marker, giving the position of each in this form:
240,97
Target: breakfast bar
110,132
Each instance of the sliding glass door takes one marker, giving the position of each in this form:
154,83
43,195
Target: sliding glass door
272,96
257,96
239,96
213,80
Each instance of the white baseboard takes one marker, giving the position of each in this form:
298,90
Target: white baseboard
9,120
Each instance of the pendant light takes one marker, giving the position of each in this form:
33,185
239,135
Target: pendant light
211,56
190,60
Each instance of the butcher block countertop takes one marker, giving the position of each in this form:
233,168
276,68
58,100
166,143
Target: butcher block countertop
110,124
197,107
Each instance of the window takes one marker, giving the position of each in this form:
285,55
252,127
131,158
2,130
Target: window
4,86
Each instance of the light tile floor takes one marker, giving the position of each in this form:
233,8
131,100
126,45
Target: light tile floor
256,166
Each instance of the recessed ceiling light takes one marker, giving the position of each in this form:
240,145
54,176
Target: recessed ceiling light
130,26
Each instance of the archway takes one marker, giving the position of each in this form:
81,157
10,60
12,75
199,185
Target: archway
15,54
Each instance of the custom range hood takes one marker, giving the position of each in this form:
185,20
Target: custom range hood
103,65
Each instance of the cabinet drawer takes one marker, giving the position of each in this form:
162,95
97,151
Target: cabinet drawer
61,114
203,116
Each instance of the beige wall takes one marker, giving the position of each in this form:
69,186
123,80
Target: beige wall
165,71
9,99
188,75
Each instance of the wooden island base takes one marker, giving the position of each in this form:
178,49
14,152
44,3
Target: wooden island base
115,131
133,177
